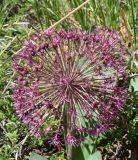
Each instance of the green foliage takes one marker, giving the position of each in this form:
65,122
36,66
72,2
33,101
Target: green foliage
9,126
84,151
82,154
134,84
95,156
35,156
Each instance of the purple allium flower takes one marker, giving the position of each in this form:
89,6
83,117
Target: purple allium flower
74,76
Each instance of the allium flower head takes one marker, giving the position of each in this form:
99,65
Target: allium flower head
74,76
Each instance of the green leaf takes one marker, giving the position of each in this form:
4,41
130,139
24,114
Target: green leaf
134,84
35,156
96,156
84,152
31,1
2,158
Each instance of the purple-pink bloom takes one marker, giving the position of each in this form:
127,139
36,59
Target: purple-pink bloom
74,76
72,140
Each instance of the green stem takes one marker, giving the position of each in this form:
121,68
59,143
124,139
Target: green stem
69,152
38,13
133,19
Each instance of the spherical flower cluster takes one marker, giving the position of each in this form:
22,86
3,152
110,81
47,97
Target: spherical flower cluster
72,78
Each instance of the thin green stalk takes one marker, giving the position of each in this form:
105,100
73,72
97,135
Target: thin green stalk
38,14
133,19
102,13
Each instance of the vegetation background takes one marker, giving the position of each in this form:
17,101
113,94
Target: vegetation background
19,19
